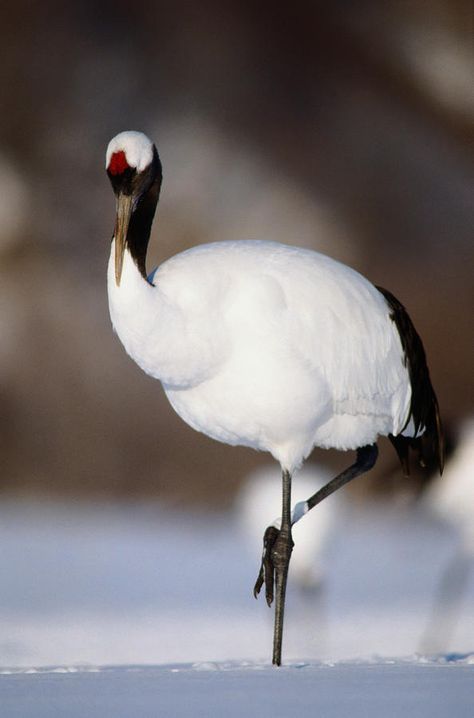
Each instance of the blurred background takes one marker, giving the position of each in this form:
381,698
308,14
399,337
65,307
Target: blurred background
339,126
344,127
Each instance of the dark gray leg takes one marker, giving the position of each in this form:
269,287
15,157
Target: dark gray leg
280,555
366,458
278,543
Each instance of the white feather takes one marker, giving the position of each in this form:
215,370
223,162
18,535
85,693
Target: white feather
266,345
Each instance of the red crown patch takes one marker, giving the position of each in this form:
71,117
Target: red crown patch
118,163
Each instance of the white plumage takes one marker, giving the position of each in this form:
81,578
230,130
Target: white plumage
265,345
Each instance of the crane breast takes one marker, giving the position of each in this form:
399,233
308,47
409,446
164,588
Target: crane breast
300,336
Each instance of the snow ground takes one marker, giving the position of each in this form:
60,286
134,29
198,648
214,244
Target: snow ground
215,690
165,597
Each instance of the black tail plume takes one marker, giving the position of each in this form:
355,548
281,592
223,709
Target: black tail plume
424,409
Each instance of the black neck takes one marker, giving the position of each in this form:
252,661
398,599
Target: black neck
139,229
146,186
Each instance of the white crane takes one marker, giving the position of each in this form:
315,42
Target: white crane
268,346
451,500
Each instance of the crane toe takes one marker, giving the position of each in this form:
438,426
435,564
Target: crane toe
277,547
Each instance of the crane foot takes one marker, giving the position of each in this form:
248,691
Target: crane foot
277,548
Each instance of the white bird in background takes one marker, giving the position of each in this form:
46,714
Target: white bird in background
265,345
452,501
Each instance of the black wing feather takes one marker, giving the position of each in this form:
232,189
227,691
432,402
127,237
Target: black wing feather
424,409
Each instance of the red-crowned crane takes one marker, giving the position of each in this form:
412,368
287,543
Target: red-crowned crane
266,345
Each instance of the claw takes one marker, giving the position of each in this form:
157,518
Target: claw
258,583
266,575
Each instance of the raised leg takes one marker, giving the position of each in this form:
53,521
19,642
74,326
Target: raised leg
366,458
278,543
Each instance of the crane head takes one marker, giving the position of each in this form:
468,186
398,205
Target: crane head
133,167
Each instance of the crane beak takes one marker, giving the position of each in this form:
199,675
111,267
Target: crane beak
124,213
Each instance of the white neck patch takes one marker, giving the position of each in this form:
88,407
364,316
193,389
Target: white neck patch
137,147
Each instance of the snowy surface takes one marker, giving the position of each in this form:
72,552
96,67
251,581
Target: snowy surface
133,610
217,690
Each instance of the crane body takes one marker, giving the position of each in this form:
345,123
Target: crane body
230,330
266,345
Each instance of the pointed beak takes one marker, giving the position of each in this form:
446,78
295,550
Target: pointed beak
124,213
